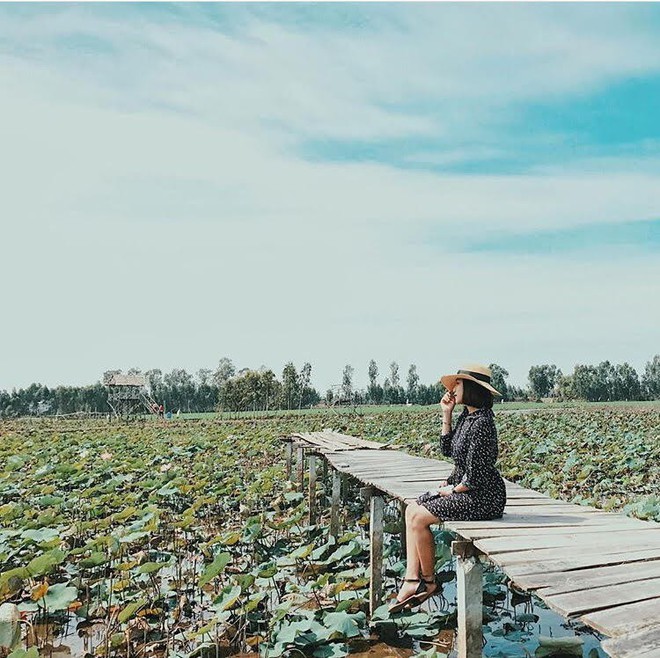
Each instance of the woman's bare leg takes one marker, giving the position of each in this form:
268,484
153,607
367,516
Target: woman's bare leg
420,525
420,551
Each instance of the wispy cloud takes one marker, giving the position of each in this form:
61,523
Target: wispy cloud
356,163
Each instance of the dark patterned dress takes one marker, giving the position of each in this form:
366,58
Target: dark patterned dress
472,444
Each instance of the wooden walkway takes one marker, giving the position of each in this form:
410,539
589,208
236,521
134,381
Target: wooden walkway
600,567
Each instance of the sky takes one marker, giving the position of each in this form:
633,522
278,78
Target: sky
436,184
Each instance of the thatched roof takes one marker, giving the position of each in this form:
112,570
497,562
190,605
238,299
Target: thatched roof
125,380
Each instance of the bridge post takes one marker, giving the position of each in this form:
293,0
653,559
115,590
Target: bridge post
404,539
289,456
300,465
334,507
469,599
312,488
376,551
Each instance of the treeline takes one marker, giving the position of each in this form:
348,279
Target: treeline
597,383
225,389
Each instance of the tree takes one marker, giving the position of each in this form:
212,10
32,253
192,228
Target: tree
224,371
498,379
290,386
394,374
204,376
373,373
542,379
413,383
306,392
627,383
375,391
651,378
347,382
585,382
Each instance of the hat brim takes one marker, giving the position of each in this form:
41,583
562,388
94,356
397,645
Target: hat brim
449,381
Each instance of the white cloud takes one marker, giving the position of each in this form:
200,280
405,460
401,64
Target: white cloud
145,236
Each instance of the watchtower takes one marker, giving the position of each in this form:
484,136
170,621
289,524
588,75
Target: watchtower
128,394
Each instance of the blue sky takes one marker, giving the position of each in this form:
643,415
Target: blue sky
429,183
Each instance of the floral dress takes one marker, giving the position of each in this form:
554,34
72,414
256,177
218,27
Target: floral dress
472,444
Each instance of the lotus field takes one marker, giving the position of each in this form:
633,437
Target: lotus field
184,538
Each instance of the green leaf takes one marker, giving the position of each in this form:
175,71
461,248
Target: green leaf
94,560
43,564
344,551
220,561
227,598
41,535
130,610
152,567
59,597
341,625
331,651
302,552
32,652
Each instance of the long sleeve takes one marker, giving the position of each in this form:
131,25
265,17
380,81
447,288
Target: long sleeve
446,443
481,455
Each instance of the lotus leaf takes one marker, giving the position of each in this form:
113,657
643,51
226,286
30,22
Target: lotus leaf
216,567
130,610
32,652
333,650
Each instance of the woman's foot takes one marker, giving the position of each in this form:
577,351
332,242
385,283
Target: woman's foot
409,590
430,588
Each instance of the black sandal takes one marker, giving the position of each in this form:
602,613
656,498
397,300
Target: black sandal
398,606
423,596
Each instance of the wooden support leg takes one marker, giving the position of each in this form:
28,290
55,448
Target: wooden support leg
289,456
344,489
334,507
312,489
376,545
324,478
300,466
404,539
469,600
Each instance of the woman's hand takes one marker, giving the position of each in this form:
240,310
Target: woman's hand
446,491
448,402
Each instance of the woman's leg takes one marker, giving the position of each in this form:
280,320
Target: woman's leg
421,521
420,549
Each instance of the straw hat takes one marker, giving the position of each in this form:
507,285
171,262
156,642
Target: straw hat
476,373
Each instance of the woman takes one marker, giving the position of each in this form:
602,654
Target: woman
474,491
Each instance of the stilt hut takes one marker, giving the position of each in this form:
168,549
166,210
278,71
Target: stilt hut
128,395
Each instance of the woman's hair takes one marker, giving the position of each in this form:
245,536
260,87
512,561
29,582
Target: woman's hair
475,395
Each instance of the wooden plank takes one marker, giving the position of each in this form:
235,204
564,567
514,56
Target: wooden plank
596,598
572,581
512,502
578,562
589,541
642,644
563,553
624,619
605,525
523,519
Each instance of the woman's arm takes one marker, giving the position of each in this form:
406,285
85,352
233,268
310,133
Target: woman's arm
447,403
